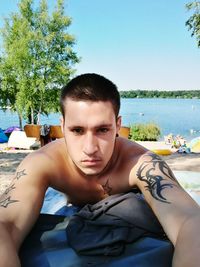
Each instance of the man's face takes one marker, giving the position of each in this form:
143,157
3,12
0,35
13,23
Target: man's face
90,130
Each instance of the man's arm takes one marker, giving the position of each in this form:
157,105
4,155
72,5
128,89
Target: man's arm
177,212
20,206
8,251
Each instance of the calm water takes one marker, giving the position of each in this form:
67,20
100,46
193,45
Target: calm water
177,116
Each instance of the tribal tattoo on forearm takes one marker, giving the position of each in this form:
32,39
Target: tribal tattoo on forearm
6,199
153,172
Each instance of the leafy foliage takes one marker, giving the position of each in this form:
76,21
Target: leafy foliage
193,23
37,58
145,132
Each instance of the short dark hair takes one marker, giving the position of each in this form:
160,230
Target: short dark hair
91,87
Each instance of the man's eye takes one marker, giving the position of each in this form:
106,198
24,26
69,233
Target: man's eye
77,131
103,130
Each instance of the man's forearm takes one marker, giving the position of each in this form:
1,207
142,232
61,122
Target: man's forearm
8,252
187,248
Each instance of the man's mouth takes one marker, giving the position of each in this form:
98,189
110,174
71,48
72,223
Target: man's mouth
91,162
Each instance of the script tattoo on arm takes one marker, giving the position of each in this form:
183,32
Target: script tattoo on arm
5,199
153,172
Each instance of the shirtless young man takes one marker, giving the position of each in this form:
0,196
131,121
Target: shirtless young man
89,164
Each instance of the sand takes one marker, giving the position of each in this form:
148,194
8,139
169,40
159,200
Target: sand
8,164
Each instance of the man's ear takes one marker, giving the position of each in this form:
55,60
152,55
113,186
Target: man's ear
62,122
119,121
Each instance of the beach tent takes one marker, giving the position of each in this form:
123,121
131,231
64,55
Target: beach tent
9,130
3,137
195,145
18,139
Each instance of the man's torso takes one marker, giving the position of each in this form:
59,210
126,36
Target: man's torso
81,189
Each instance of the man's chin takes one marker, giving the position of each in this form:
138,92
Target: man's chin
91,171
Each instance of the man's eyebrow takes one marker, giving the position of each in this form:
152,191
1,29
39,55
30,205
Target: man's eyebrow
103,126
74,126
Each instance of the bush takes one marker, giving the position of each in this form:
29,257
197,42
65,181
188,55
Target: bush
145,132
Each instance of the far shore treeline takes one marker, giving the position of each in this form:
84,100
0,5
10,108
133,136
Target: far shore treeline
160,94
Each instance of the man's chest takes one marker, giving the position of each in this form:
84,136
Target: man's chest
89,191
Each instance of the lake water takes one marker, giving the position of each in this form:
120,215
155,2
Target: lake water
177,116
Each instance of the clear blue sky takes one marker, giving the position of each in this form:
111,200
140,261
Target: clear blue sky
138,44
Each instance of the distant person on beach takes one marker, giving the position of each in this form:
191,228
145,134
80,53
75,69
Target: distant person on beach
91,163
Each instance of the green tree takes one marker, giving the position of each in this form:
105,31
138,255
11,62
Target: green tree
193,23
37,59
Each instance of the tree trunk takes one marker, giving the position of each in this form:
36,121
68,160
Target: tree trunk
38,118
32,116
20,120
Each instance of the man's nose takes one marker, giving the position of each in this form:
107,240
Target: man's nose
90,145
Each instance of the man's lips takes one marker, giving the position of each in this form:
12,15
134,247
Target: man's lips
91,161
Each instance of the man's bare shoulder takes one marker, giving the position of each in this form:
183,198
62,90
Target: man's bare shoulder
46,160
129,148
53,149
